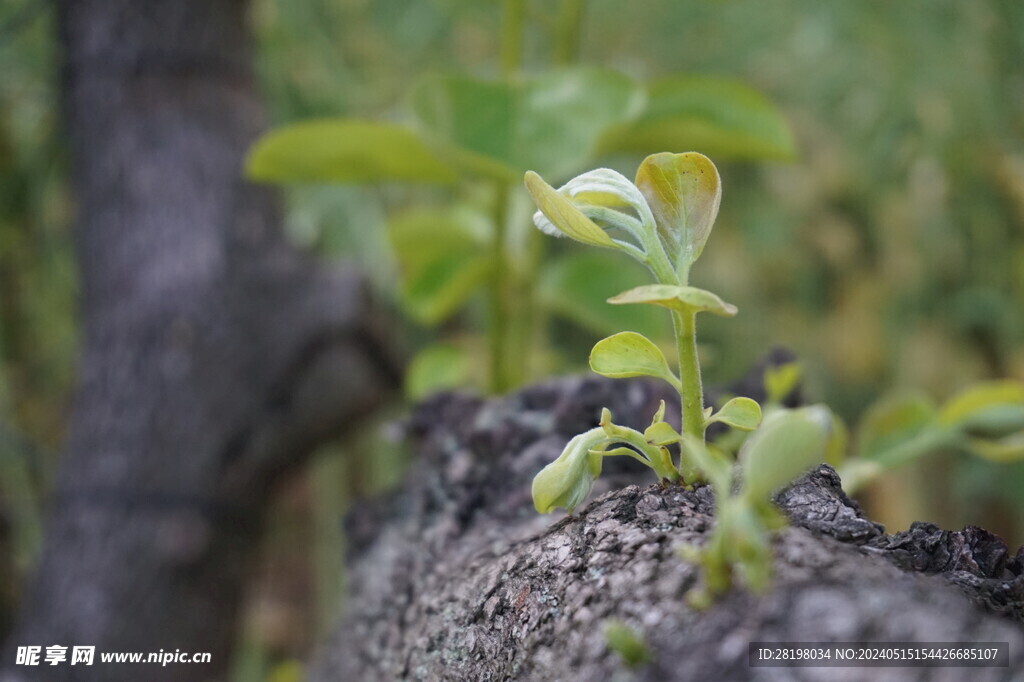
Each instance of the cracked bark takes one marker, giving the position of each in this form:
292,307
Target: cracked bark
456,577
213,359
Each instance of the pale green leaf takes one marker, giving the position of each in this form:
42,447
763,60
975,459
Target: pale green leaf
345,150
739,413
787,444
722,117
781,380
436,368
683,299
628,354
894,419
564,215
567,481
683,192
1003,450
624,641
661,433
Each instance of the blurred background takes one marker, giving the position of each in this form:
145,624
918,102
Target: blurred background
887,252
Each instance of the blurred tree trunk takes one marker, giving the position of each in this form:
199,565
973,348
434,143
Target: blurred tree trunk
213,357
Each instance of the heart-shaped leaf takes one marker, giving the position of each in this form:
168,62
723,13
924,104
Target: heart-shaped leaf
683,192
787,444
739,413
682,299
345,150
628,354
566,482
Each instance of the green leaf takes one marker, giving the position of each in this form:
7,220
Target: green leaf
1003,450
993,408
683,192
721,117
621,639
838,441
564,215
739,413
577,285
683,299
661,433
787,444
894,419
781,380
549,123
443,260
436,368
628,354
345,150
566,482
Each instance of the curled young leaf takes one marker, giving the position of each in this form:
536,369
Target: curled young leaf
628,354
684,192
566,482
680,298
661,433
563,217
787,444
739,413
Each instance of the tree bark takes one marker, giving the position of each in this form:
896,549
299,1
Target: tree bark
213,359
455,577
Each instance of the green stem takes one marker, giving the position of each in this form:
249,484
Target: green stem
497,332
567,32
512,29
926,442
692,393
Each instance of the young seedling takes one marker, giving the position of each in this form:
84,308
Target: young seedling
663,220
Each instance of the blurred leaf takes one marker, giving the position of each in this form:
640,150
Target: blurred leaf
894,419
838,441
711,462
564,215
683,299
443,259
684,192
739,413
994,407
787,444
577,286
780,381
624,641
628,354
720,117
436,368
344,150
549,123
1003,450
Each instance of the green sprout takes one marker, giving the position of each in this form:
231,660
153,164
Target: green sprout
663,220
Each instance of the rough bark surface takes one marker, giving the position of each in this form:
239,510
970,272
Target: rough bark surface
213,357
456,577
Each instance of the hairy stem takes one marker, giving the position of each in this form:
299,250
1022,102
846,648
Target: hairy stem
692,393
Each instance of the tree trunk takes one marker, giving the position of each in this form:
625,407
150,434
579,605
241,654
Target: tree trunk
457,578
213,358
